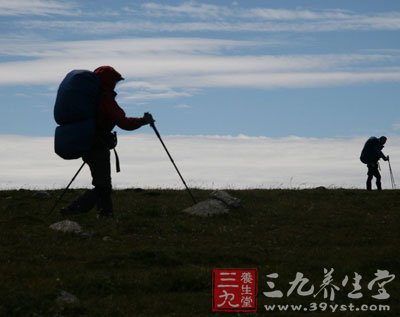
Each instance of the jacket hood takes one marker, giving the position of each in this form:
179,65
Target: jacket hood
108,77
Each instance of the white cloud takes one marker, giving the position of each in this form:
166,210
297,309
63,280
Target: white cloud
35,7
192,9
171,67
204,161
191,16
297,14
182,106
120,47
389,22
396,126
141,91
264,19
287,80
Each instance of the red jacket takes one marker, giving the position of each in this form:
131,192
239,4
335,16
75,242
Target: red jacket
110,113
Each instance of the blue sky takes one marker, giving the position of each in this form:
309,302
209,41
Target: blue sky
258,68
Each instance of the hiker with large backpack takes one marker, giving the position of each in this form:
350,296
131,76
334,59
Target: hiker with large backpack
87,112
370,155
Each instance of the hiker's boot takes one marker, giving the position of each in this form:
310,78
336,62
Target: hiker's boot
104,213
104,203
369,185
82,205
378,185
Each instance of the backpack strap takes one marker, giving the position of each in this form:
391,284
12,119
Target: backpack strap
113,144
117,166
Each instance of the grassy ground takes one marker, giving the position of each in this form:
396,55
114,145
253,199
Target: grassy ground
157,260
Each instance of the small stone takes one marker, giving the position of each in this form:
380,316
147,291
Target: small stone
107,238
66,226
226,198
41,194
87,235
208,208
65,298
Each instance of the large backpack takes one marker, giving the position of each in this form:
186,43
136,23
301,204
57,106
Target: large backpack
370,151
75,112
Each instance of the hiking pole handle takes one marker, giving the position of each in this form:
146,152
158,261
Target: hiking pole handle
172,160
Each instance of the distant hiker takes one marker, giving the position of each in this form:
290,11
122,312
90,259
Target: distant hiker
87,111
370,155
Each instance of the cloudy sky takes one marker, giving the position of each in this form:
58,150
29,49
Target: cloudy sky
242,76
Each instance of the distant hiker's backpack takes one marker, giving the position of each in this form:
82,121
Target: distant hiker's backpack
363,158
75,112
370,151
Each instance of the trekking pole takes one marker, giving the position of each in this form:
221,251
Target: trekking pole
66,188
169,155
391,175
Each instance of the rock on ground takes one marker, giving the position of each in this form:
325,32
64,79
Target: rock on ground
226,198
220,203
66,298
66,226
208,207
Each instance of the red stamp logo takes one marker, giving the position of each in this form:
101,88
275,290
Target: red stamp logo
234,290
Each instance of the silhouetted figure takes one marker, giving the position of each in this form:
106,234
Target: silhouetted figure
370,155
109,114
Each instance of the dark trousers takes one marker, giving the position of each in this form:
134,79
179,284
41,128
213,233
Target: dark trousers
373,171
100,168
